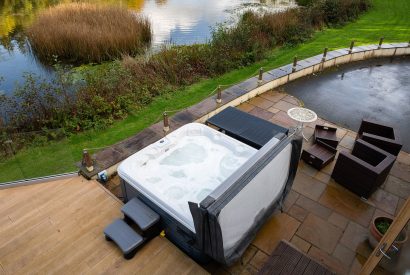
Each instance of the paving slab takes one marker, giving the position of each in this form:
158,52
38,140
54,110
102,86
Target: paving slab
327,260
344,255
320,233
261,113
338,220
397,187
278,227
300,243
354,235
313,207
401,171
273,96
261,102
284,106
308,186
347,204
384,201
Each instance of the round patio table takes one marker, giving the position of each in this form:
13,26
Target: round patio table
302,115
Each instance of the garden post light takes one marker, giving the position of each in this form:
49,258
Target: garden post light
381,42
219,95
351,46
87,161
324,55
260,77
166,122
295,62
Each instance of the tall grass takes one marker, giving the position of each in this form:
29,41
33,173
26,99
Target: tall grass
82,32
111,90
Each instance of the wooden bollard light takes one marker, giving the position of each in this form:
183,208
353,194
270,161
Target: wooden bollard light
260,77
351,46
381,42
324,55
166,122
219,95
87,161
295,62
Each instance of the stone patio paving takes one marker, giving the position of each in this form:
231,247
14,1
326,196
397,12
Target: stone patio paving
320,217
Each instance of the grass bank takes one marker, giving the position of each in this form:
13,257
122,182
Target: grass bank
386,18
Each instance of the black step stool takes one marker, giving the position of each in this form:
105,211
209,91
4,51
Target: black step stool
121,232
124,236
143,216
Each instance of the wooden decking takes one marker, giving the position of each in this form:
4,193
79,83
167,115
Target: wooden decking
56,227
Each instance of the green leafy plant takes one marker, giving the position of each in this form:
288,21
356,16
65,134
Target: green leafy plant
383,226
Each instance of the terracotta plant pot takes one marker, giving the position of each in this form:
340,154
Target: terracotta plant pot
376,235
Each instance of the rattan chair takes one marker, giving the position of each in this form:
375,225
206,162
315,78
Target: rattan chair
363,170
383,136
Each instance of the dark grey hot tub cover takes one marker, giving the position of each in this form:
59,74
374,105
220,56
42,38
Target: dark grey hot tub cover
228,219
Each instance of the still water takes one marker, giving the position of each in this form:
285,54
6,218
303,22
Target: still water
173,21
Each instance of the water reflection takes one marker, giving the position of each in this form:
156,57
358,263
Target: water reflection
175,21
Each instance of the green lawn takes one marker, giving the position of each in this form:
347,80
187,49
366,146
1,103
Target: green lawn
388,18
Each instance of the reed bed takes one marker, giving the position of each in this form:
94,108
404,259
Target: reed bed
109,91
82,32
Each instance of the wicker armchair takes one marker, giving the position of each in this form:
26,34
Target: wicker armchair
383,136
363,170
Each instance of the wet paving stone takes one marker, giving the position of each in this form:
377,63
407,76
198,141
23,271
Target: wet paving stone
283,119
354,235
320,233
397,187
347,204
261,113
290,200
284,106
338,220
313,207
347,142
327,260
384,201
401,171
246,107
298,212
278,227
308,186
291,100
273,96
259,259
301,243
204,107
344,255
261,102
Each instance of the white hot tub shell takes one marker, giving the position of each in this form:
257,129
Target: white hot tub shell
186,165
213,192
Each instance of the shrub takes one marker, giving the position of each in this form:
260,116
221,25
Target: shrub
99,95
82,32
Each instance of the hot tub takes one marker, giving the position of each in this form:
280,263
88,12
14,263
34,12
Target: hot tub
212,192
186,165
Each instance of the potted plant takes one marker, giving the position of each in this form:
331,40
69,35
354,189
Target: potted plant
379,227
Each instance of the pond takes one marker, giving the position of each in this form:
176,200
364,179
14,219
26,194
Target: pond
377,89
173,21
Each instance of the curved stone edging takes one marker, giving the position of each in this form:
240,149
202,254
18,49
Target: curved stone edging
109,159
282,75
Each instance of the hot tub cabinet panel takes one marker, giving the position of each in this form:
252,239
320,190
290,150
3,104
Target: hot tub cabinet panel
228,219
225,222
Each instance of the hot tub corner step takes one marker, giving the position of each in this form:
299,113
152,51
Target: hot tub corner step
140,213
124,236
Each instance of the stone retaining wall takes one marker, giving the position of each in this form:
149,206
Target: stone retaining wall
108,159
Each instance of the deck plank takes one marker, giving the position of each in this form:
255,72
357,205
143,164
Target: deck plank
56,227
